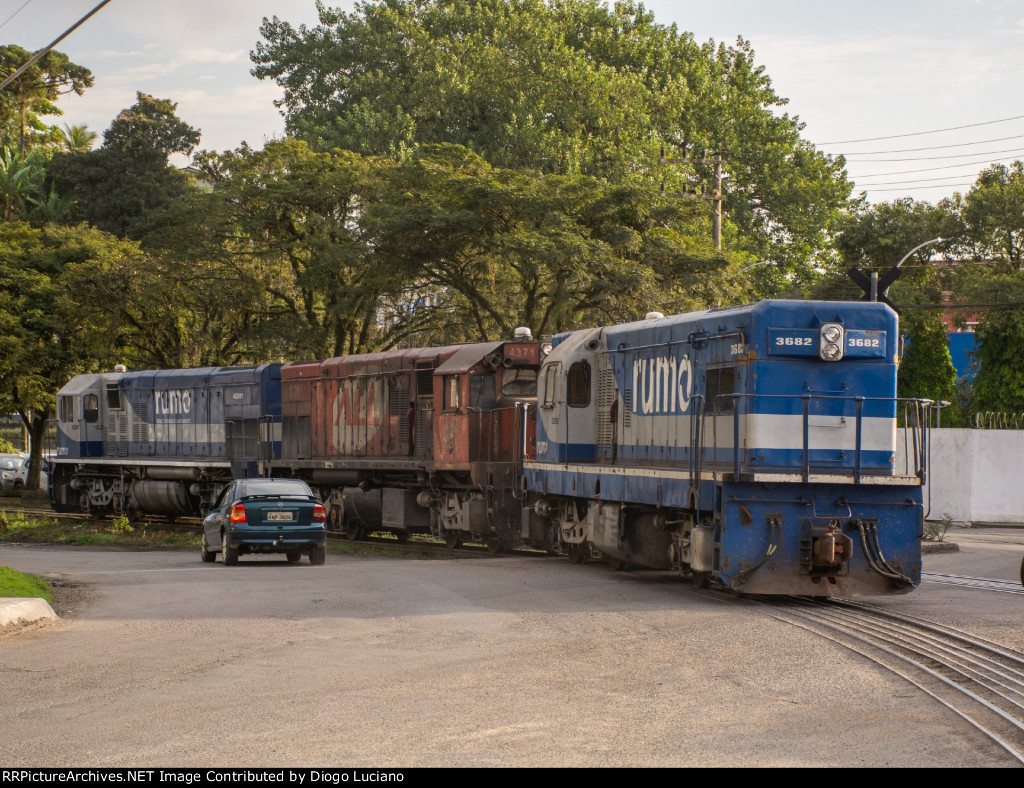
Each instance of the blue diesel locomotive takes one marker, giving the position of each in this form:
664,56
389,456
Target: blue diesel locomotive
162,442
753,446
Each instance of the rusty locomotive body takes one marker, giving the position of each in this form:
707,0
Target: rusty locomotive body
425,440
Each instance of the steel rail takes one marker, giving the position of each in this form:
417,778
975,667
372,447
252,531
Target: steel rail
983,583
914,650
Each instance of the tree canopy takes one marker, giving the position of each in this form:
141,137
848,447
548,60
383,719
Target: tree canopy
569,87
32,96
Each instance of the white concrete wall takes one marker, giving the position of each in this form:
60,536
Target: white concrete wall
976,476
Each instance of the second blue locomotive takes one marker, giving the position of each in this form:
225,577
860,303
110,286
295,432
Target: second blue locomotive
162,442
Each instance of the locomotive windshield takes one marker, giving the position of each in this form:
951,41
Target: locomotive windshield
518,382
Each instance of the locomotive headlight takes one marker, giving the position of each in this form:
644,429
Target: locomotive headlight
831,342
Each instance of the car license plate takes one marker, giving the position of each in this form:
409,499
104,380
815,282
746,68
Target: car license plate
280,517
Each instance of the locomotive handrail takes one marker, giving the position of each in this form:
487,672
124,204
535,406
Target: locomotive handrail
915,420
693,339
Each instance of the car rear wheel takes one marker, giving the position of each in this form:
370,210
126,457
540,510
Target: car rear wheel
293,556
230,554
205,553
318,555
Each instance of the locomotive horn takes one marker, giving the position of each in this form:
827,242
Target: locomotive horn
507,362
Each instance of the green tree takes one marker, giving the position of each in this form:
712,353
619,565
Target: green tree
926,369
121,186
494,248
993,216
569,87
48,332
77,138
32,95
999,383
150,128
293,226
23,193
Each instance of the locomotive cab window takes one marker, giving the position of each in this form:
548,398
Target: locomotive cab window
577,393
66,409
91,408
518,382
451,392
113,396
550,374
481,392
718,383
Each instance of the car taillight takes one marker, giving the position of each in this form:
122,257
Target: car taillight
237,513
319,514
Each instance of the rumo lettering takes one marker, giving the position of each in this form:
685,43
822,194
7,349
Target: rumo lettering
662,385
174,402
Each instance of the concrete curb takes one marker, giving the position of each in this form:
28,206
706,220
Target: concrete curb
24,610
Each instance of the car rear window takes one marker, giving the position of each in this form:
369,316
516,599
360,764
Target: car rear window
276,488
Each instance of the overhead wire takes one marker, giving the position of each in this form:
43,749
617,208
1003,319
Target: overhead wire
8,19
922,133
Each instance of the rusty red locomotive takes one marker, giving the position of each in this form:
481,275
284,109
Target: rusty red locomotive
424,440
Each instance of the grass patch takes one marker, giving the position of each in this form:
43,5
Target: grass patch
15,526
16,584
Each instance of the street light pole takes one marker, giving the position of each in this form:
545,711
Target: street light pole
875,288
919,246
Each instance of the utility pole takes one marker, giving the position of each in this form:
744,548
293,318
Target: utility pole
715,196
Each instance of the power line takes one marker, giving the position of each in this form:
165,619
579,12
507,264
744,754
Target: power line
933,147
38,55
937,158
8,19
870,188
917,180
921,133
936,169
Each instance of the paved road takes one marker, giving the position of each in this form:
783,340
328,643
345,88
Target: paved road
376,662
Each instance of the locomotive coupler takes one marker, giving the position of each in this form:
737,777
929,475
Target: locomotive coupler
832,548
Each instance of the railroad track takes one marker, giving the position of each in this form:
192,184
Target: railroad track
980,681
983,583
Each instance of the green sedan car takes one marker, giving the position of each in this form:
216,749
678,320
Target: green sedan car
265,516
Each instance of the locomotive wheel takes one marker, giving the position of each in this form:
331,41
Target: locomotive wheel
700,579
401,536
354,533
494,546
615,564
229,554
207,556
577,555
453,540
293,556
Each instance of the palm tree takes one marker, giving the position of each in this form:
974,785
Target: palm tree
78,138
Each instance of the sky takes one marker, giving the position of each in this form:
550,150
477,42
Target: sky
919,95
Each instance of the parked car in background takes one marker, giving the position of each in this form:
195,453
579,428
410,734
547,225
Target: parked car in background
265,516
10,464
21,478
